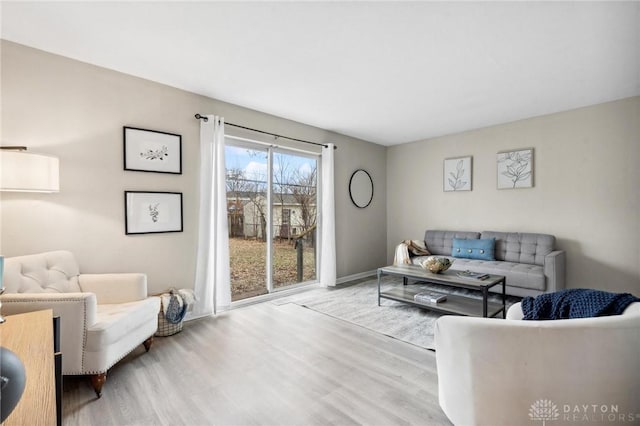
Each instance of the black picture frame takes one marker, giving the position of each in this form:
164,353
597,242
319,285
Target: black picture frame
151,151
152,212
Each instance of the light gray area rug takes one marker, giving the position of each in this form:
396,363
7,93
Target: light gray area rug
358,304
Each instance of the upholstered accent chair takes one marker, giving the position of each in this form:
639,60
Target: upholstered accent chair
499,372
103,317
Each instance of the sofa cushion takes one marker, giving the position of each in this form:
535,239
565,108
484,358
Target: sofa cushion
119,329
481,249
517,274
441,242
118,321
521,247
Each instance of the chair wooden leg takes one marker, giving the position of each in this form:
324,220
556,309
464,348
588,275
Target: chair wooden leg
97,380
147,343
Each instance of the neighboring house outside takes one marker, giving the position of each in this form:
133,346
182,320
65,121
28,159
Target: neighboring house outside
292,215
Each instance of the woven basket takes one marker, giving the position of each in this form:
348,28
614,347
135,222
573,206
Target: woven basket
165,328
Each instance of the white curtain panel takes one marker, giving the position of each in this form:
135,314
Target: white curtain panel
328,221
213,283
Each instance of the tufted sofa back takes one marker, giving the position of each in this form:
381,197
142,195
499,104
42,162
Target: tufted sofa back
522,247
441,242
49,272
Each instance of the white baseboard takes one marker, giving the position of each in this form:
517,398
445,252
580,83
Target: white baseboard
357,276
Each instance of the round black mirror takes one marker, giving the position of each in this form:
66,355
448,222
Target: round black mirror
361,188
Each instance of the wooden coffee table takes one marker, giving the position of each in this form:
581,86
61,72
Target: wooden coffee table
454,304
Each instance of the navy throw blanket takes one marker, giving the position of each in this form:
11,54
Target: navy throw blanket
575,303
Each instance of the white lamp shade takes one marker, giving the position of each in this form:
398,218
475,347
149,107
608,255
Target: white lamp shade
26,172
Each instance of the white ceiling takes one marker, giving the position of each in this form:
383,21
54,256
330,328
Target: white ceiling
386,72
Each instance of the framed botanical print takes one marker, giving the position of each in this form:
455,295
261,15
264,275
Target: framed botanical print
515,169
457,174
152,212
152,151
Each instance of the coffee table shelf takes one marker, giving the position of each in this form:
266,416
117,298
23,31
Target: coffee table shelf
454,304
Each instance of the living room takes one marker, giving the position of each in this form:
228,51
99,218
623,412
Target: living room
585,148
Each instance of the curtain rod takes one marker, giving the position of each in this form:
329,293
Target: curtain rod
202,117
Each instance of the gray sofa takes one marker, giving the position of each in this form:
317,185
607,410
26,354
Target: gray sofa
530,262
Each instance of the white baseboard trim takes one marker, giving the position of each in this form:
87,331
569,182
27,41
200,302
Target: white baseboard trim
357,276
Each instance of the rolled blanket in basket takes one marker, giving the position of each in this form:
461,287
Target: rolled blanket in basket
176,303
176,310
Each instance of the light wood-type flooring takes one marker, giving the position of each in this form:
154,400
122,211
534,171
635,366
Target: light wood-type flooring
265,364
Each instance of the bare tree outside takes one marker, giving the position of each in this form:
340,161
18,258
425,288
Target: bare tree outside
236,189
281,178
305,192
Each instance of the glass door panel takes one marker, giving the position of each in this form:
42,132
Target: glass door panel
248,215
294,214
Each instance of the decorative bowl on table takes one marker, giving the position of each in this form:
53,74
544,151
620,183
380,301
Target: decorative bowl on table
436,264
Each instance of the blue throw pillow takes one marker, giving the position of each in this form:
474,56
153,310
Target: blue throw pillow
482,249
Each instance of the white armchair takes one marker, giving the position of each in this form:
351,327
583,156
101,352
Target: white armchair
500,372
103,317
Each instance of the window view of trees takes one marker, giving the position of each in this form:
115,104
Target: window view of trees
293,216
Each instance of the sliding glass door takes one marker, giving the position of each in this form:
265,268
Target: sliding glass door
272,216
294,189
247,214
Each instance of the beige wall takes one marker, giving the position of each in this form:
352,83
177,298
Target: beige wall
586,189
76,111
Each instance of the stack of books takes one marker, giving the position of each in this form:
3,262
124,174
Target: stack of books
430,297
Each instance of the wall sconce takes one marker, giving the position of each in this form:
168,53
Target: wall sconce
22,171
